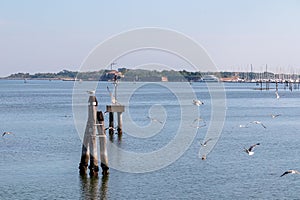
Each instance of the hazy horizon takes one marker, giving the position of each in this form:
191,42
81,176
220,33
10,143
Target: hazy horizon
51,36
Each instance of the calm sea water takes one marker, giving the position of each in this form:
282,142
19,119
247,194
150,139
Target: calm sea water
40,159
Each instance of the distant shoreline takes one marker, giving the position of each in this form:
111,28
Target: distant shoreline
138,75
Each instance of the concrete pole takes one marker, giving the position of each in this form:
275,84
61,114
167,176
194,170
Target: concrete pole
102,142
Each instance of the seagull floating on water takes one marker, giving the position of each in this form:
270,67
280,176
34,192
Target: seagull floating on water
6,133
197,102
292,171
250,150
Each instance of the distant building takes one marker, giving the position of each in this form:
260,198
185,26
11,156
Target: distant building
164,79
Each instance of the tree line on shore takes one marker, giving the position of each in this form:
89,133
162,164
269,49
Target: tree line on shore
146,75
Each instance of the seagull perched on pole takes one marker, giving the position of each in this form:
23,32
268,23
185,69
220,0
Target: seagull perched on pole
292,171
250,150
197,102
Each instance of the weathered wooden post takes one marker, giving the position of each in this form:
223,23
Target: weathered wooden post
89,146
92,120
120,122
111,123
85,154
102,143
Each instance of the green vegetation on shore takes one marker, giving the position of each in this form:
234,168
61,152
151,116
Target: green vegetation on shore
148,75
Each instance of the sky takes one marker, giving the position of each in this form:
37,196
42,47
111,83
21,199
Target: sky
49,36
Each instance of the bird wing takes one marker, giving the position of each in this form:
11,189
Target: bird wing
252,147
263,125
285,173
207,141
3,134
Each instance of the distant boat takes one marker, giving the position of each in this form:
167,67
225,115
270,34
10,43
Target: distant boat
209,78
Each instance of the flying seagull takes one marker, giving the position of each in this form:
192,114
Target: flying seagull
197,102
91,92
200,126
197,119
6,133
254,122
290,172
274,116
244,126
154,119
250,150
258,122
205,142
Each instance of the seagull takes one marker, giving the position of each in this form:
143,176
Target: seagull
244,126
277,95
258,122
91,92
205,143
249,151
292,171
201,126
197,102
154,119
6,133
274,116
113,99
197,119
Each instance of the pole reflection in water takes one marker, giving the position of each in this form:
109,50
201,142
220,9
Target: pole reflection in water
104,187
89,187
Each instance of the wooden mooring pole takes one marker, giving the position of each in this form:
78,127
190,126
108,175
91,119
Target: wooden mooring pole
120,122
111,123
102,143
89,147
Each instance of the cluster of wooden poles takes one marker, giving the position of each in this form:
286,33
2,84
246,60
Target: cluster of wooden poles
89,152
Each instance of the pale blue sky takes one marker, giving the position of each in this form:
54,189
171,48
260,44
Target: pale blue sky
48,36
